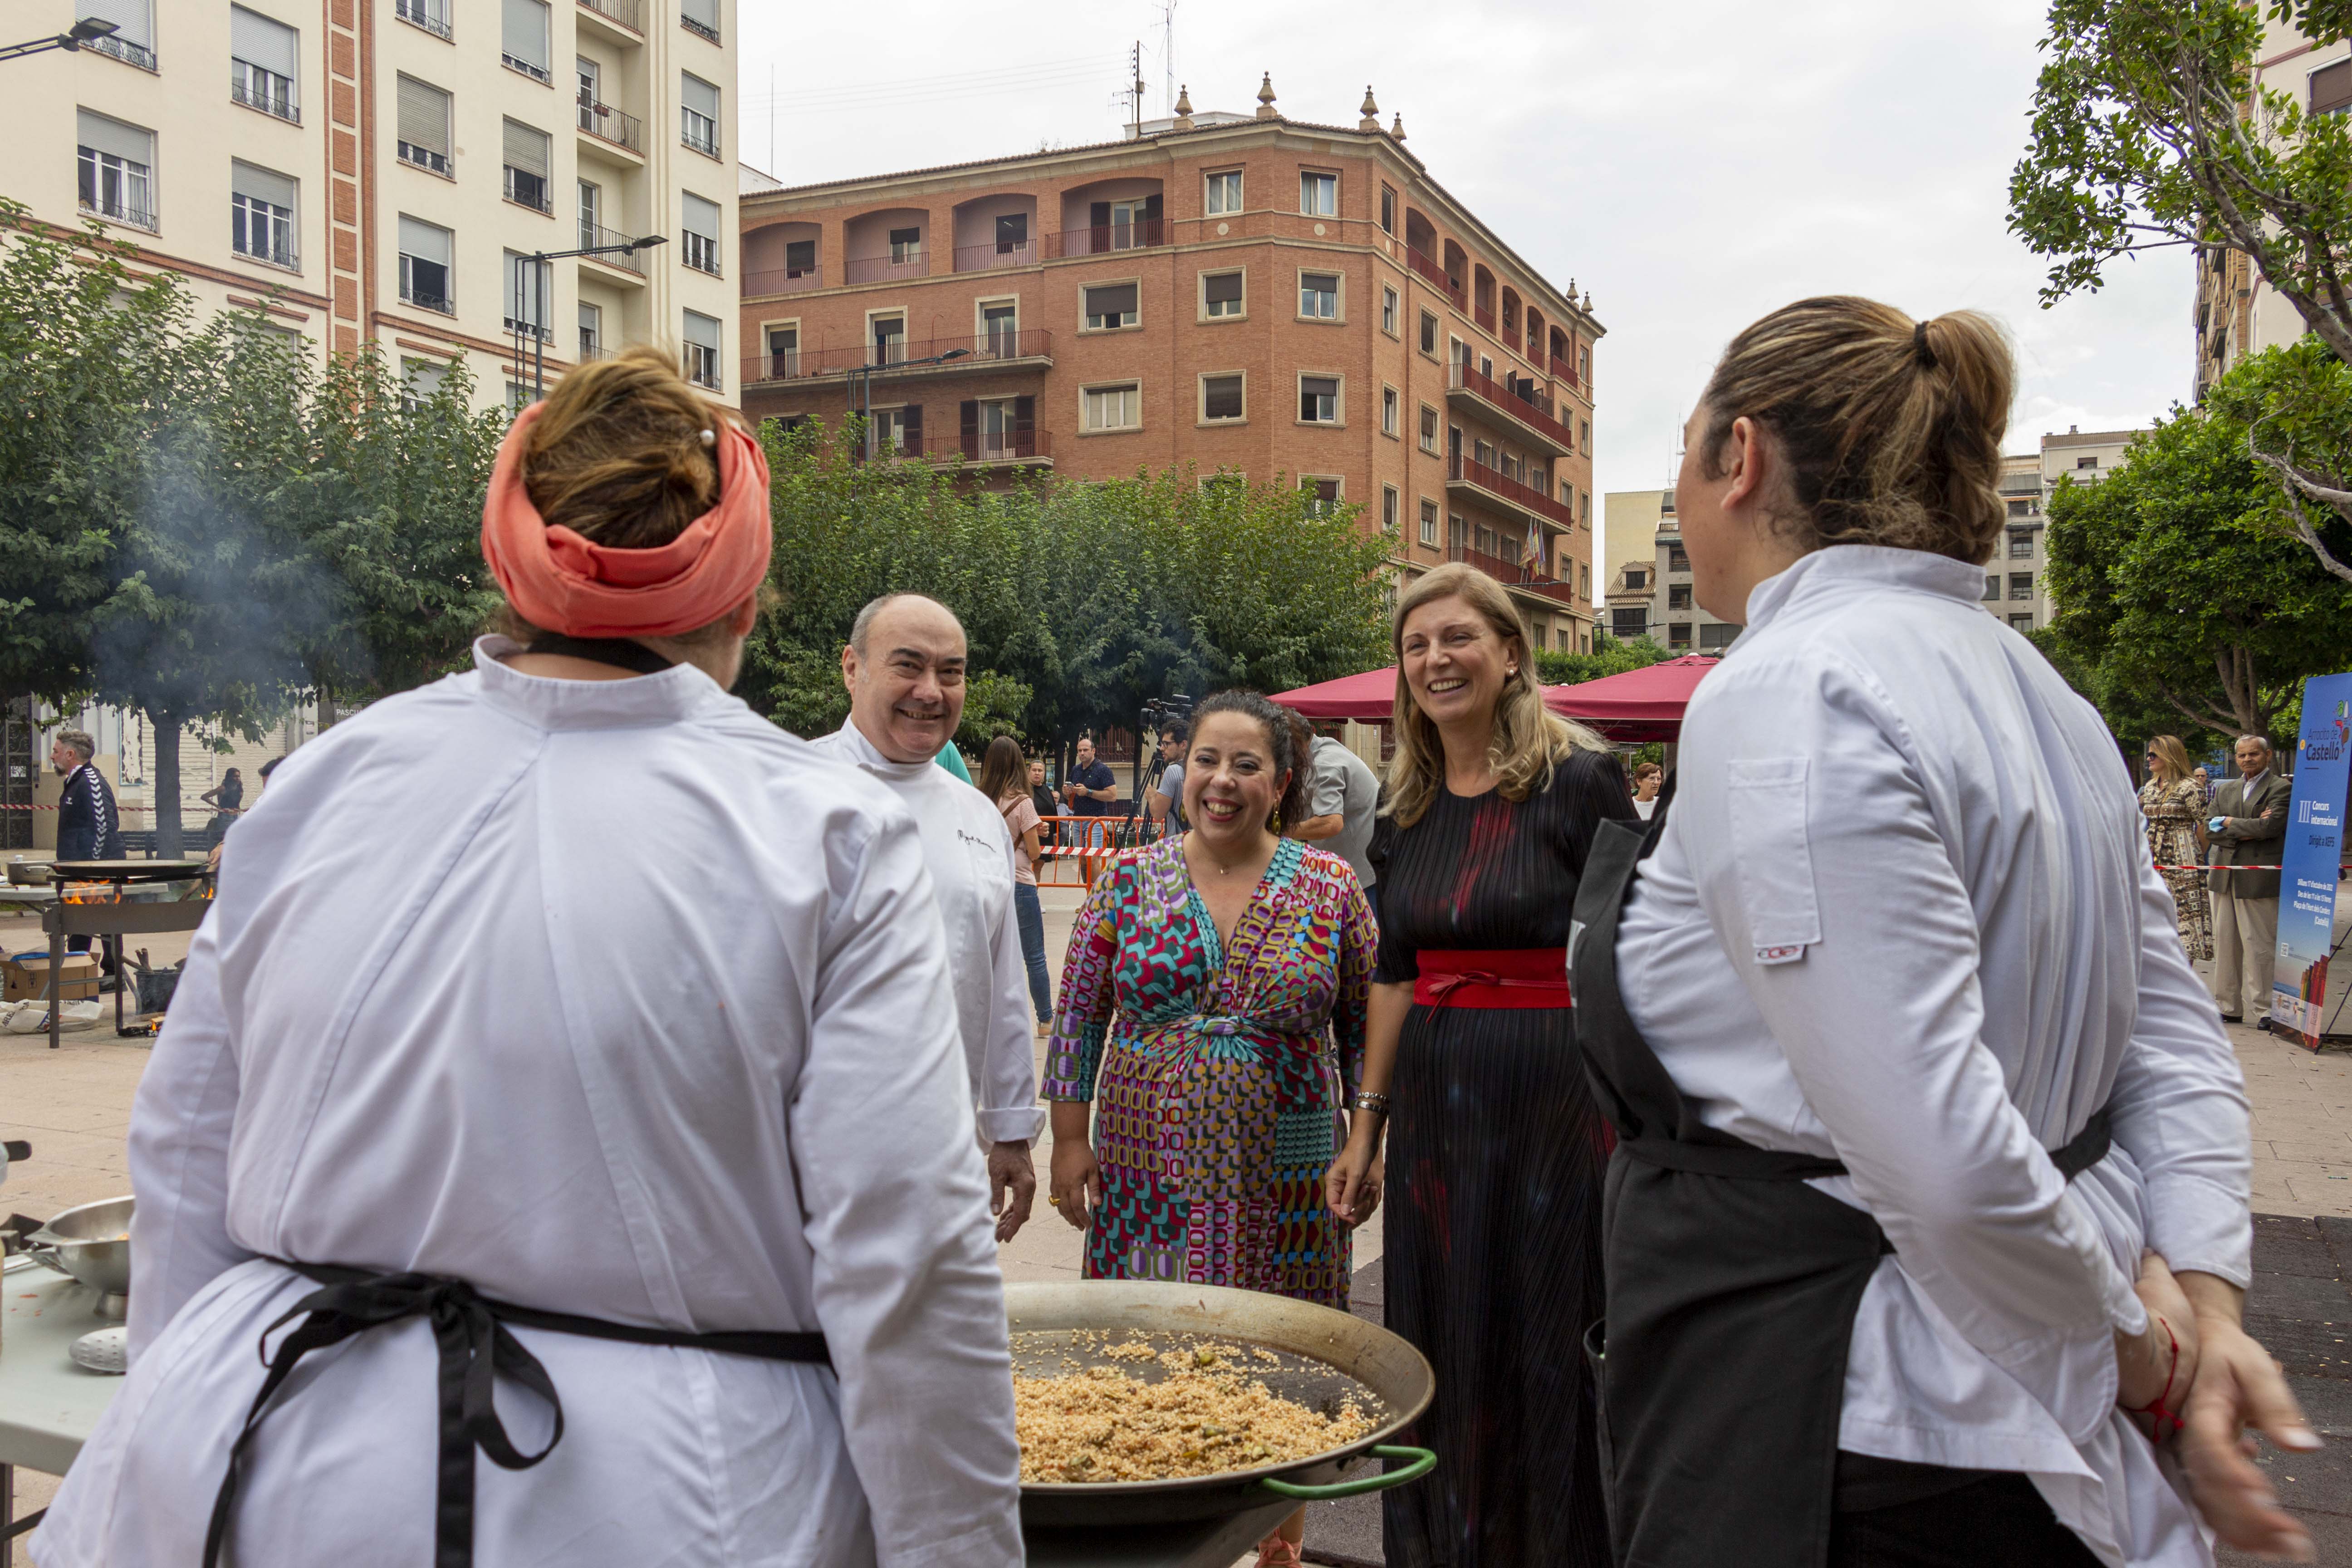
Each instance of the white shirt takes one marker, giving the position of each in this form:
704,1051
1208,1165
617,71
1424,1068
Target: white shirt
1903,915
611,998
1643,808
969,852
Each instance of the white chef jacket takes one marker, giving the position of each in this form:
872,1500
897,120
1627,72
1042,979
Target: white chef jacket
1903,915
969,852
612,999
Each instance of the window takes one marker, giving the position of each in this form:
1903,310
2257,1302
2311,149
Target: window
423,137
592,209
1011,232
1387,311
698,113
134,38
2089,462
1224,486
1388,509
263,56
699,16
2024,622
1429,523
1388,411
591,332
1677,558
1629,624
1486,366
424,274
1678,596
1221,294
2020,546
529,167
1636,578
2021,585
433,15
1584,436
1717,637
1457,532
526,297
1584,366
1221,397
895,431
1584,509
1388,209
889,334
996,429
1992,586
1318,296
1679,635
420,382
800,258
1429,430
1322,494
698,221
261,215
522,45
783,352
702,361
1318,399
1000,326
1111,407
1225,194
1318,194
1110,306
116,170
906,246
1429,334
2331,87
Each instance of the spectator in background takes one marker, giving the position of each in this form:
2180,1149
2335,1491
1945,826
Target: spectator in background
1040,793
2174,806
1648,777
2248,825
2204,783
227,798
1343,795
1001,774
1164,804
1090,789
89,827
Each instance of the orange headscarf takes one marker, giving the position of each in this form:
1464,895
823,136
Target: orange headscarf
558,579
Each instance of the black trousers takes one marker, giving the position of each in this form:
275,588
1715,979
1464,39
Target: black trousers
1999,1519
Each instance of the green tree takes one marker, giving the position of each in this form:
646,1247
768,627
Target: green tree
2178,601
1565,666
2149,132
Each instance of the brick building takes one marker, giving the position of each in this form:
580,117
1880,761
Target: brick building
1248,294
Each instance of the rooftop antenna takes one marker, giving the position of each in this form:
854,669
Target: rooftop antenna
1168,50
1135,92
772,117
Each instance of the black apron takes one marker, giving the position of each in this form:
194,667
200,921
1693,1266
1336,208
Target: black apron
1732,1287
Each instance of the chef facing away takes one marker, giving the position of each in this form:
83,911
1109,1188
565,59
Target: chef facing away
568,1018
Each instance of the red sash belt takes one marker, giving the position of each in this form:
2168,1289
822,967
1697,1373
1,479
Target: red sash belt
1493,978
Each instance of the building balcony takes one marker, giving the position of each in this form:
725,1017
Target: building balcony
988,351
1100,239
782,280
622,20
628,261
1514,574
608,124
1434,274
1532,422
885,269
433,17
996,256
1484,317
984,450
1463,473
1564,371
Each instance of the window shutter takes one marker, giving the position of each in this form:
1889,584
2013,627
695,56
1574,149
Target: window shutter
968,416
701,214
1151,209
1116,300
698,95
1024,414
526,31
423,241
526,148
912,418
1099,215
702,331
703,11
1225,289
259,40
134,20
128,142
261,185
424,116
2331,87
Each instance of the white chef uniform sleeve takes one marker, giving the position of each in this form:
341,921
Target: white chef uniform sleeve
896,1204
1822,873
1009,1112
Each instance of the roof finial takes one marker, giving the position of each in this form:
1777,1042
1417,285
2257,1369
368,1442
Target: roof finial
1396,127
1184,108
1265,98
1370,112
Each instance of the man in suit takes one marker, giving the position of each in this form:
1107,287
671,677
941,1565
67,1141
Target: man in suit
2249,828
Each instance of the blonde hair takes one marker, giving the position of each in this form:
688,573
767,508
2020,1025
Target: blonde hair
1528,739
1891,429
2172,759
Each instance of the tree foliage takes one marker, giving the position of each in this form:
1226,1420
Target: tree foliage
2178,601
1565,666
2149,131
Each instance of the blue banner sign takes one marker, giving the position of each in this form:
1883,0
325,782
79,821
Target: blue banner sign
2312,852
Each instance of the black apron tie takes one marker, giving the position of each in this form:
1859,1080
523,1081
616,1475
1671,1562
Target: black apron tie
476,1349
619,652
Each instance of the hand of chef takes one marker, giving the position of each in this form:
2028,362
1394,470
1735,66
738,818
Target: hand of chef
1011,1187
2156,1367
2238,1385
1077,1180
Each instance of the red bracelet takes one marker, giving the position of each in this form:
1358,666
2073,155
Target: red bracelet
2166,1421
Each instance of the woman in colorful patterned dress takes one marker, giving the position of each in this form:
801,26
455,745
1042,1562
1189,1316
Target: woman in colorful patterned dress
2174,805
1213,1000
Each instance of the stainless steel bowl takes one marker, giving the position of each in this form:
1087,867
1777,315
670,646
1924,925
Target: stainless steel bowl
92,1243
1324,1355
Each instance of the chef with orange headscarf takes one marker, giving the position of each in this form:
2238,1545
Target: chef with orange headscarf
560,1147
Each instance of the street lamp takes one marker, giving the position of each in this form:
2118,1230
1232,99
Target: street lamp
863,399
530,270
87,30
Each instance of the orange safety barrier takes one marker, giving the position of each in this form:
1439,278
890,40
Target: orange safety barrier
1087,844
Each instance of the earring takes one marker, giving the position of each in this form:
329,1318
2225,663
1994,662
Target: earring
1274,823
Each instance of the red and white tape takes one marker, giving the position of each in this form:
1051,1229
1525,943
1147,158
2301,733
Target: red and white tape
2221,867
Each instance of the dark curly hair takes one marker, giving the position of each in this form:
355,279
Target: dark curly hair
1283,729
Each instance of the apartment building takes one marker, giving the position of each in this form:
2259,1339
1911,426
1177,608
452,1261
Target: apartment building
1675,619
1250,294
390,170
2013,587
1630,549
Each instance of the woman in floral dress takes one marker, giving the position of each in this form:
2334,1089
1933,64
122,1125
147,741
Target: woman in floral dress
2175,807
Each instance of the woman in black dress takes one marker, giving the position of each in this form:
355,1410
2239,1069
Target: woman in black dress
1494,1233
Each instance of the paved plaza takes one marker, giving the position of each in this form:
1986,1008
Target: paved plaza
74,1106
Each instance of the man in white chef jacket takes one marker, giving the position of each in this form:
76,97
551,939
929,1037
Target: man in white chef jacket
903,666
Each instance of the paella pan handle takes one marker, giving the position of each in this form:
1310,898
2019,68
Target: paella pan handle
1424,1461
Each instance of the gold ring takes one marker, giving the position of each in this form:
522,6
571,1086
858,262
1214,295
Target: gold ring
1055,1199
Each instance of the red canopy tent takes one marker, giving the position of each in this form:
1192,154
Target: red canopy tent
1639,705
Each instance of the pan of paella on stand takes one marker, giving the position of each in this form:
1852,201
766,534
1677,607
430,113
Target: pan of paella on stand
1138,1402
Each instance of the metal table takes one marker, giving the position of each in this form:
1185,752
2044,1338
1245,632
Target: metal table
48,1406
116,919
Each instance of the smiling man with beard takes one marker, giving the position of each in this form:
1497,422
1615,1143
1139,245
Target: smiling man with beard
903,666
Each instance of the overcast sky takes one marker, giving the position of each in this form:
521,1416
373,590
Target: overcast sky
1691,165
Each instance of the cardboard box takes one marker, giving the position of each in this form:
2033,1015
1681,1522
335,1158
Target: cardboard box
24,977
